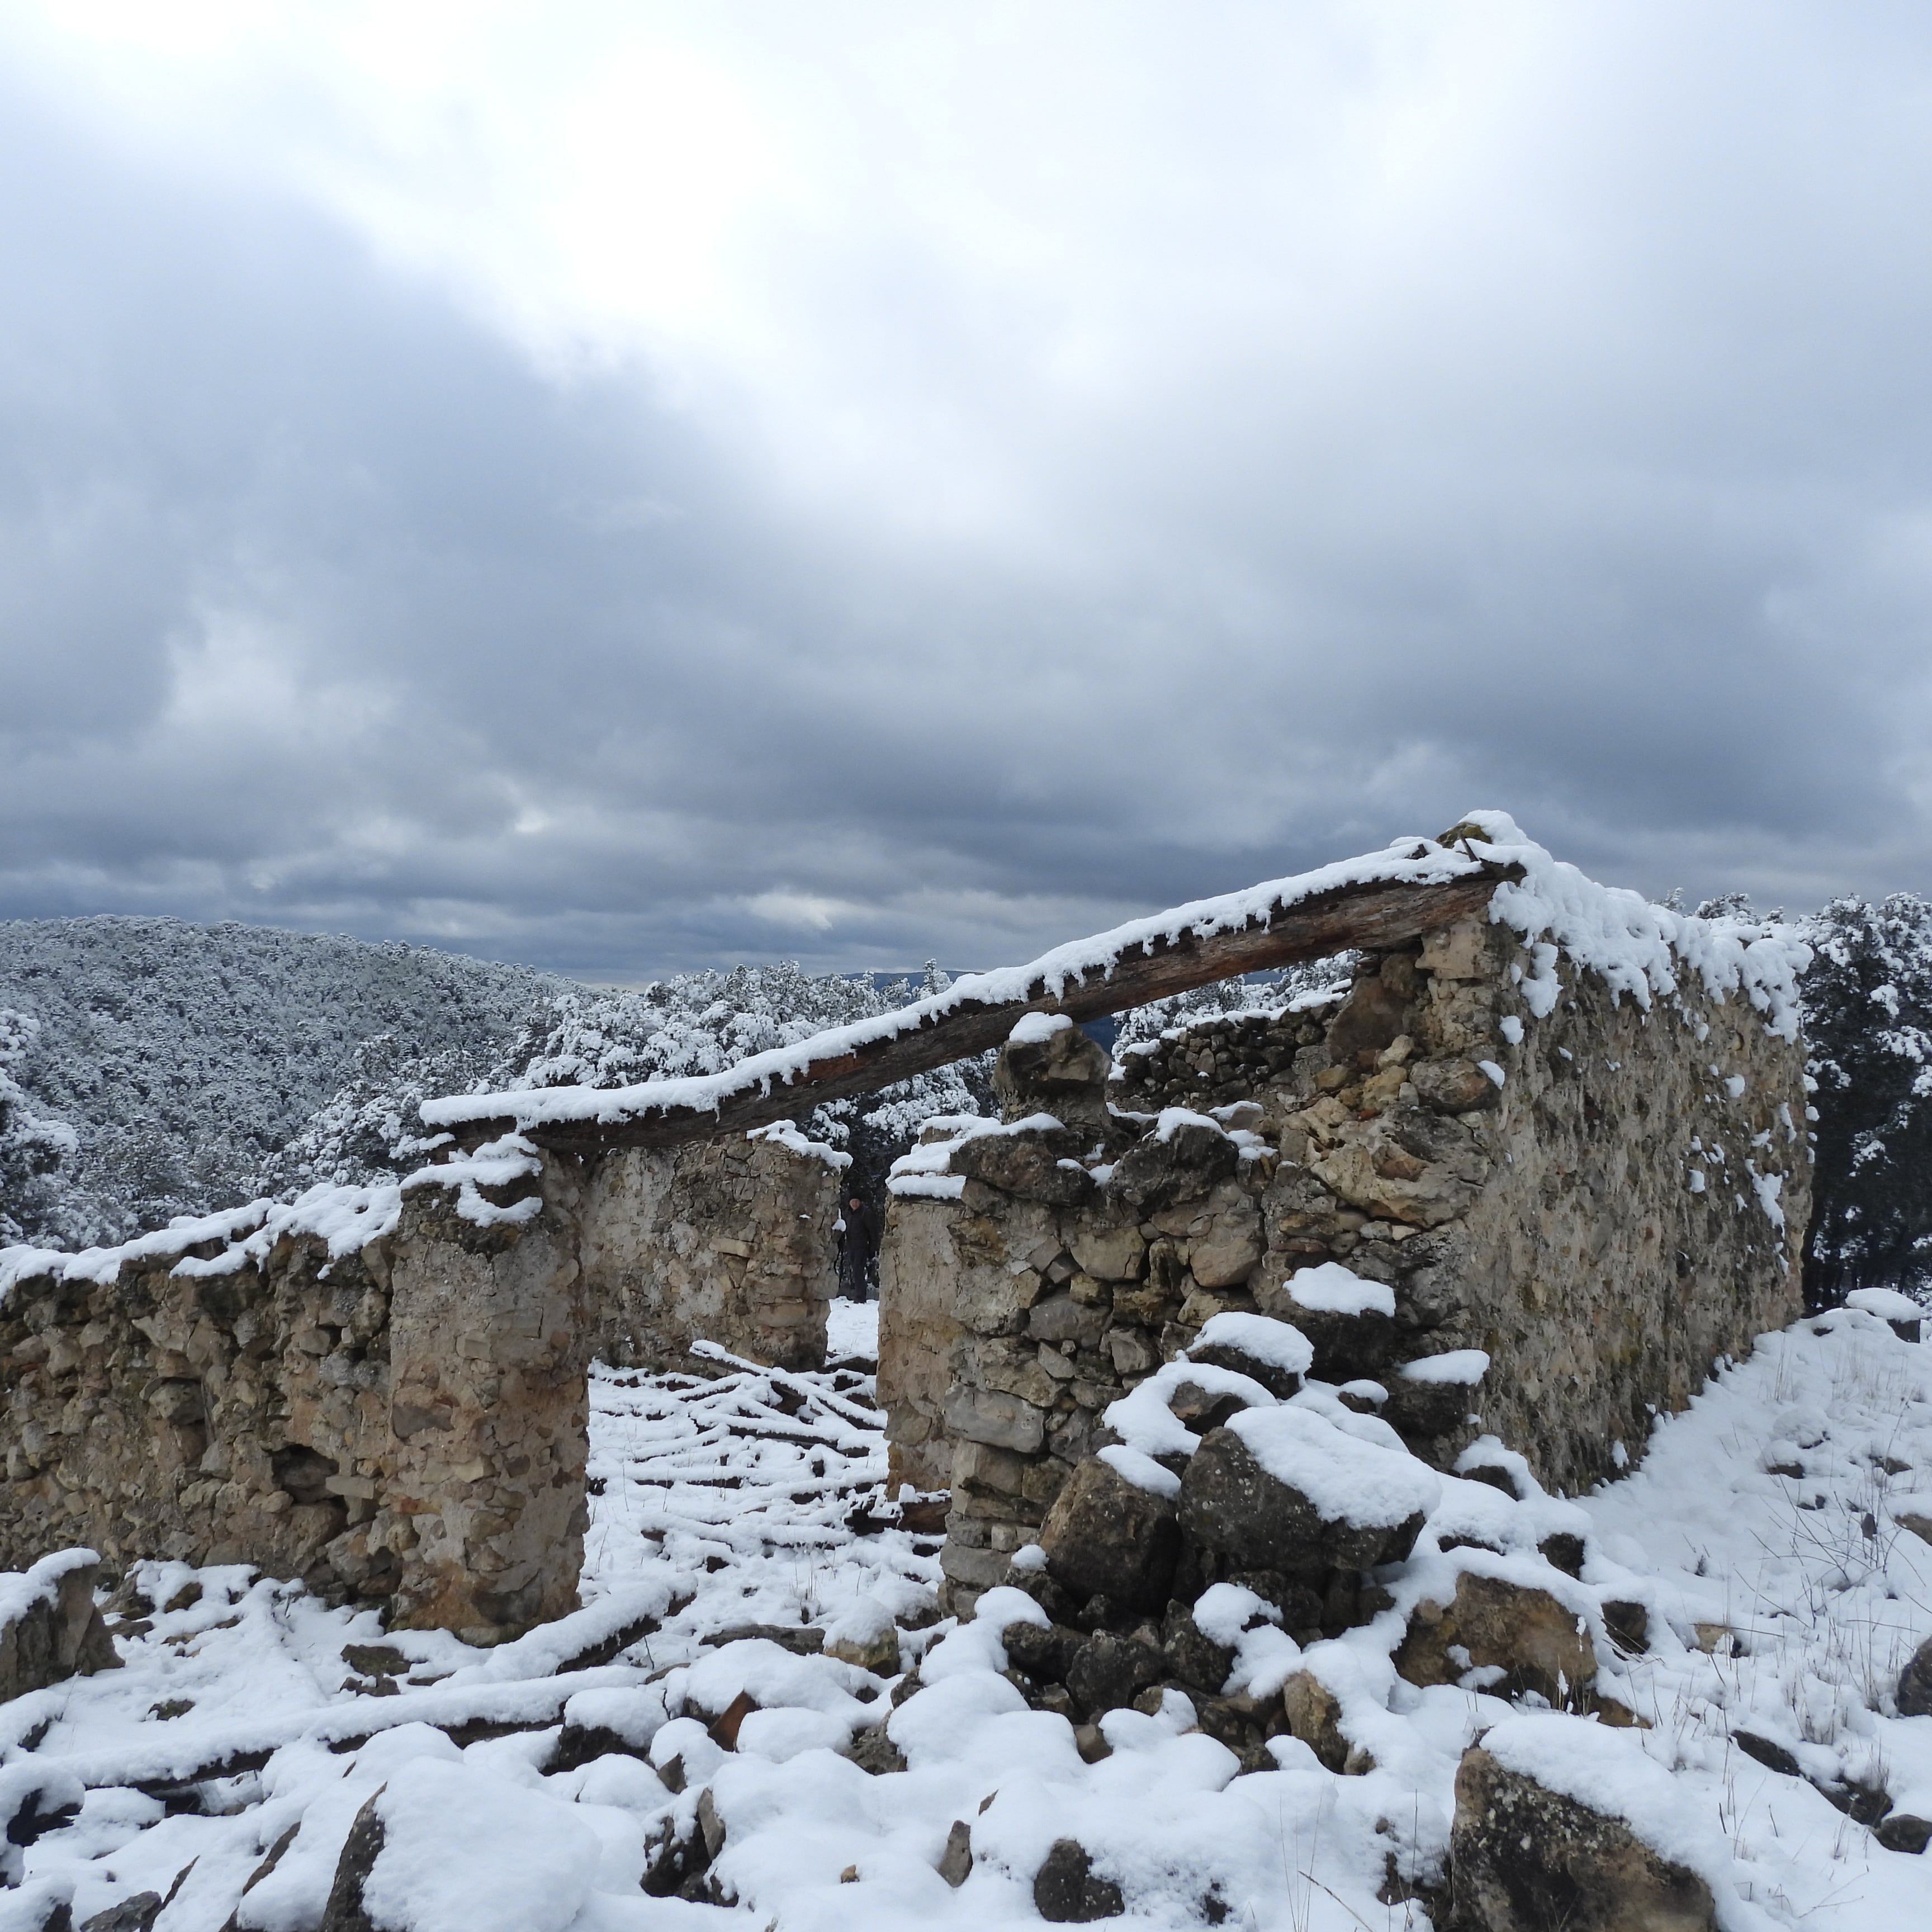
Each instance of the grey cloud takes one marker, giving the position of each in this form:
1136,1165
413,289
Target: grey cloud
319,605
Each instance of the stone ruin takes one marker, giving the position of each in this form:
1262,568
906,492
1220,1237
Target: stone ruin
385,1397
1491,1188
1484,1222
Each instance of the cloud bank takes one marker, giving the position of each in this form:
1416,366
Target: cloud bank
626,489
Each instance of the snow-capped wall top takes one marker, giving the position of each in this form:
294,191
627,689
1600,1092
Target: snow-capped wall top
1634,946
346,1218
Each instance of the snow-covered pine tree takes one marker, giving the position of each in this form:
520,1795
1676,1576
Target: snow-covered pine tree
1868,1018
31,1148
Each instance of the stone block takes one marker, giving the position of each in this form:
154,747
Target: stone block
1523,1858
1109,1254
1002,1421
1538,1643
1231,1505
1105,1536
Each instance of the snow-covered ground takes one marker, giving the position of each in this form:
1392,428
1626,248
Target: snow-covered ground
233,1750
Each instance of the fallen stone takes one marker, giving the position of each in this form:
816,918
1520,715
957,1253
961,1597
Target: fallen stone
955,1862
1903,1832
1230,1504
1195,1659
873,1751
1525,1632
1109,1671
53,1631
1044,1653
1106,1536
1564,1550
1314,1715
597,1723
1523,1858
1915,1684
1626,1623
1066,1892
1275,1353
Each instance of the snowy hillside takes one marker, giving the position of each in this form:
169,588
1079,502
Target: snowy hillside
182,1056
1763,1549
149,1068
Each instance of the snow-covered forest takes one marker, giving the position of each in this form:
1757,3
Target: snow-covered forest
150,1068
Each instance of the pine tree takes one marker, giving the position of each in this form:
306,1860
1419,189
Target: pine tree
1868,1020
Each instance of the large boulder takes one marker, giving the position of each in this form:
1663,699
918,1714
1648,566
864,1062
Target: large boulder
1538,1644
1524,1858
1284,1489
1106,1536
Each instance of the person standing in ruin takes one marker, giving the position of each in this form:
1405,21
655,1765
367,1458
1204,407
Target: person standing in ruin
856,1248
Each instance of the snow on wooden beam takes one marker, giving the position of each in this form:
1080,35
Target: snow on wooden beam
1383,900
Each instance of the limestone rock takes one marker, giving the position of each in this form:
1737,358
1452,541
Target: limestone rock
1314,1714
1194,1657
1255,1346
1455,1086
1525,1859
1056,1070
57,1632
1109,1671
1044,1654
1033,1165
1154,1174
1903,1832
955,1862
1373,1015
1525,1632
1004,1421
1066,1892
1231,1505
1109,1254
1105,1536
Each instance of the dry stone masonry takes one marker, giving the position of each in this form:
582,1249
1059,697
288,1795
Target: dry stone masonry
382,1391
1526,1177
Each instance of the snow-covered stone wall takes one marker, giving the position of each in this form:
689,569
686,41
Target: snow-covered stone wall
1530,1177
383,1391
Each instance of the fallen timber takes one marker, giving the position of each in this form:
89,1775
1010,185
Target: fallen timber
1147,964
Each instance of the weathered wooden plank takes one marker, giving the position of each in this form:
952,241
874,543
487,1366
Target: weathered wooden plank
1373,914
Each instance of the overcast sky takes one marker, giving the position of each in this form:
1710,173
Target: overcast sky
636,486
